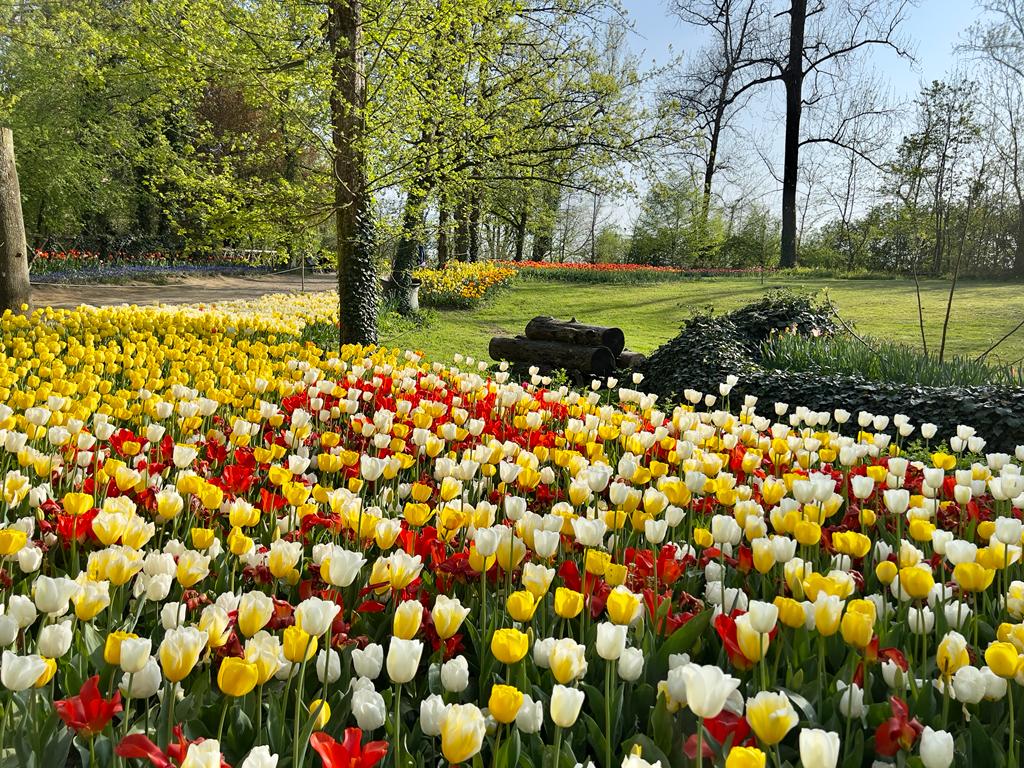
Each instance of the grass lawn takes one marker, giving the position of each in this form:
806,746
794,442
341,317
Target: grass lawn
650,314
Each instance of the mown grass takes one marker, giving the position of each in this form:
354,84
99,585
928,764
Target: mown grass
651,313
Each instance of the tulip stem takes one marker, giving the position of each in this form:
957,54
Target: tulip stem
558,744
259,714
298,701
398,724
1013,736
223,716
700,741
3,725
483,595
171,695
609,670
497,744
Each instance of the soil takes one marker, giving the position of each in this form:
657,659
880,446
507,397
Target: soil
183,290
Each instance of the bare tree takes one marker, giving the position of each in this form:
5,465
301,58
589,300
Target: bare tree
1000,37
1000,40
717,83
811,47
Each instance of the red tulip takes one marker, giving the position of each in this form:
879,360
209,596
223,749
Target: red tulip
88,713
142,747
898,732
348,753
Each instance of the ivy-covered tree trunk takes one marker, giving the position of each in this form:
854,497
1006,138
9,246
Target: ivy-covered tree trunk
14,286
443,217
357,277
405,253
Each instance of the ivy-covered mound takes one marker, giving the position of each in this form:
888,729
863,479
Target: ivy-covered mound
711,347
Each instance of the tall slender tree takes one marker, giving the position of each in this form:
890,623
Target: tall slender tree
357,276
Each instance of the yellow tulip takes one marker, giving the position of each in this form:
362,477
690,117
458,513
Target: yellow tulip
745,757
12,541
916,582
509,645
568,603
112,646
504,703
44,679
973,577
1003,659
408,617
622,606
77,503
237,677
298,645
771,716
323,713
462,732
521,605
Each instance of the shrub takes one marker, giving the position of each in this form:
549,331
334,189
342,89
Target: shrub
711,347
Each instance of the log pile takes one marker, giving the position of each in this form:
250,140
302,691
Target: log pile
583,351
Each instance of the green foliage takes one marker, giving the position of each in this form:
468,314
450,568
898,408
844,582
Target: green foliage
673,229
678,228
881,361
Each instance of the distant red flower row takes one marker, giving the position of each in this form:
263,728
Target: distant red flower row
588,267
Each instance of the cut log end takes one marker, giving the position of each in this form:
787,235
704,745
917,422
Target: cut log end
630,359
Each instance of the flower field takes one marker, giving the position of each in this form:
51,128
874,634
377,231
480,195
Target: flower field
222,546
463,284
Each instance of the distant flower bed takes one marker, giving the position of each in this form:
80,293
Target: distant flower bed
463,284
585,272
72,261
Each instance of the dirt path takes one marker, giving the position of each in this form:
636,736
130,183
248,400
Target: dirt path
185,290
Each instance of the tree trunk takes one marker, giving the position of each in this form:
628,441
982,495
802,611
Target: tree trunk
474,227
406,251
443,216
357,277
521,221
14,285
1018,257
793,78
712,160
462,231
542,244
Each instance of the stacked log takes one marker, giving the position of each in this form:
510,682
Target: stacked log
592,350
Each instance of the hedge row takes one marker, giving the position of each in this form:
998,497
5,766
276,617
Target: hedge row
711,347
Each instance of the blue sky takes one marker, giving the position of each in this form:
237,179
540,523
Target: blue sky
935,26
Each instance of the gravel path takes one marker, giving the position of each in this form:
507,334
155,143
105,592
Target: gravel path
185,290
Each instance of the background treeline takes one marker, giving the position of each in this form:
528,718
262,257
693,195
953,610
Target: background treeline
520,130
160,124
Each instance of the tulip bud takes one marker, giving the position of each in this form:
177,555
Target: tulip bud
455,674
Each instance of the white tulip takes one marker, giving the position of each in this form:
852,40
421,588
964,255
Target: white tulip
368,661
